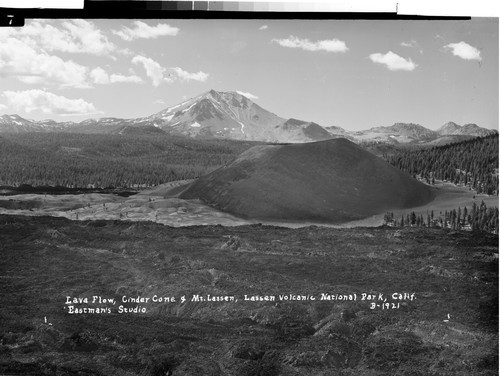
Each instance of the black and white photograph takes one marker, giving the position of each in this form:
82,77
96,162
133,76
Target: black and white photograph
274,196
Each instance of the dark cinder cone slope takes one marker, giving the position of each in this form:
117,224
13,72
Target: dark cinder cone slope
327,181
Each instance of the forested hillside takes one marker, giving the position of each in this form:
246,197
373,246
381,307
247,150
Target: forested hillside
473,163
132,160
101,161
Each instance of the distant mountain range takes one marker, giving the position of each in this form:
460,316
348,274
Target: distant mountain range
234,116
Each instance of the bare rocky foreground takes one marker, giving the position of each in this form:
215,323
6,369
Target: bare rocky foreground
441,289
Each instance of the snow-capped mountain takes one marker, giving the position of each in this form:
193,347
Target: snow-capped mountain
16,124
232,115
221,114
211,114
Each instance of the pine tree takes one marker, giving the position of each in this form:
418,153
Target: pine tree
413,218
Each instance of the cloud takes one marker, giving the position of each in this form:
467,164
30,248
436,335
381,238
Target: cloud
464,51
29,65
393,61
159,74
159,101
75,36
88,38
144,31
186,76
28,53
48,103
411,43
100,76
153,70
3,107
114,78
329,45
264,27
248,95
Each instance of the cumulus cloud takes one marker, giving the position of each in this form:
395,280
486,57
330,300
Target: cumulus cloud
263,27
159,74
30,65
153,69
247,94
393,61
28,53
88,38
464,51
48,103
143,30
328,45
75,36
186,76
100,76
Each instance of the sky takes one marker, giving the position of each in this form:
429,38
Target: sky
355,74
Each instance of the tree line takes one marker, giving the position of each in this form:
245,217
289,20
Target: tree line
472,163
109,161
478,218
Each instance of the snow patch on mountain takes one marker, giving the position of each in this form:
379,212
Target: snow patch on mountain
188,108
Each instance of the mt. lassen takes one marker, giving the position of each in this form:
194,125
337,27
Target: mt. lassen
231,115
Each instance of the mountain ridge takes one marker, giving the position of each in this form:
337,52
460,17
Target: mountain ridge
231,115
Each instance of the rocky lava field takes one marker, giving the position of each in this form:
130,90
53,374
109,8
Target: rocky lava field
433,307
